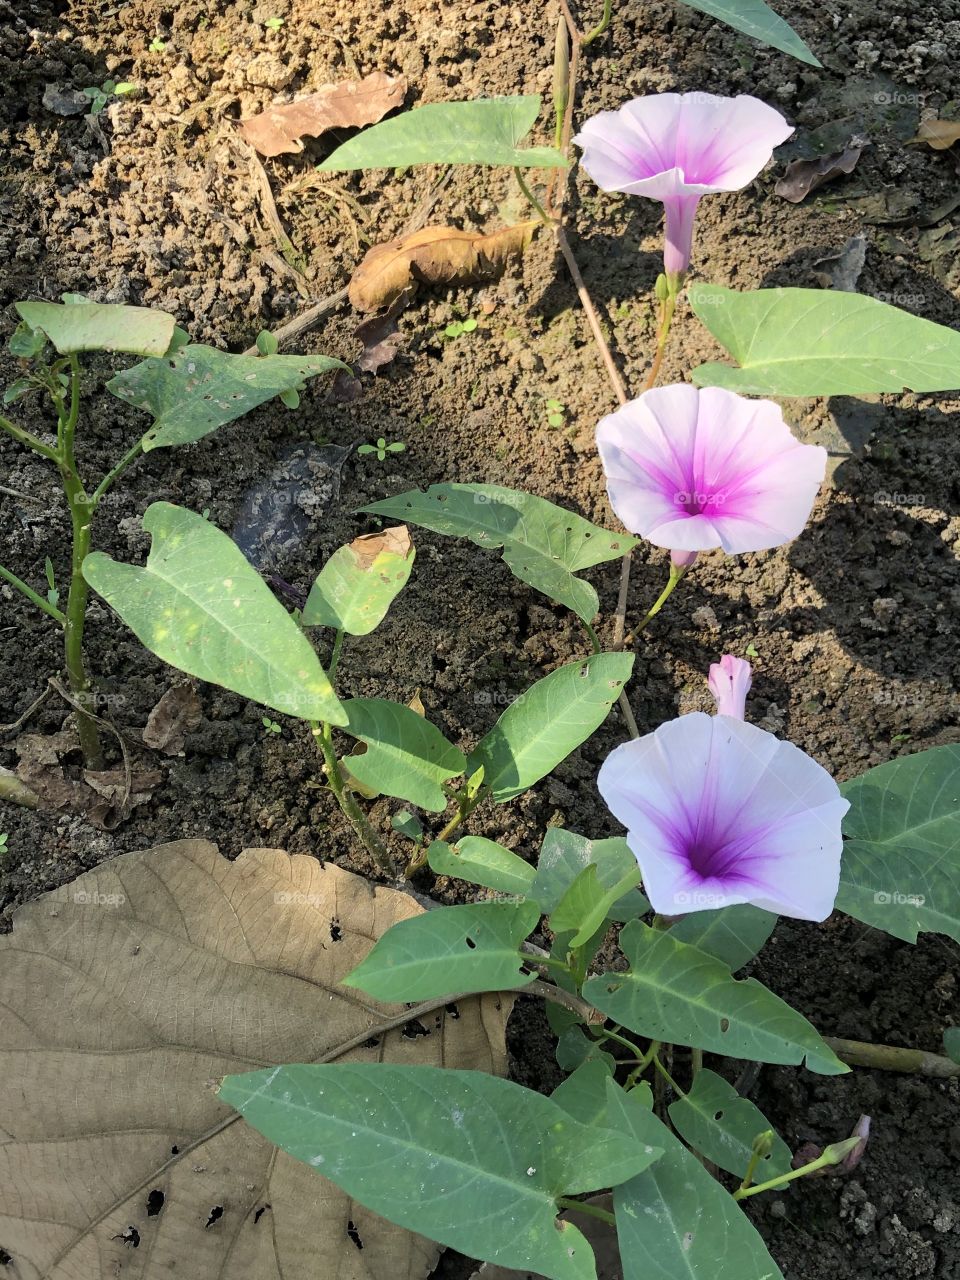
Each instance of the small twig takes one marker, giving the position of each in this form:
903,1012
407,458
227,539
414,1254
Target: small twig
13,791
7,729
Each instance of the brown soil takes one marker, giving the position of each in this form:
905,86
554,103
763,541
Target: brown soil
855,623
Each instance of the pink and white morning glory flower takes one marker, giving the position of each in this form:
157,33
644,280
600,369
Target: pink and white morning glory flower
729,682
677,147
693,469
719,812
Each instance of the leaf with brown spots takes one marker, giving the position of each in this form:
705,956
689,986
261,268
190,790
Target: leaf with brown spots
435,255
349,104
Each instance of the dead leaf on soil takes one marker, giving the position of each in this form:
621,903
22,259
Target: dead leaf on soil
939,134
381,341
349,104
434,255
368,546
105,797
125,995
601,1235
803,176
845,266
175,715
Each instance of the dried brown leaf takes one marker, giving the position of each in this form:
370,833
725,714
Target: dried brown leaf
939,134
349,104
368,546
175,715
434,255
104,797
125,995
381,340
803,176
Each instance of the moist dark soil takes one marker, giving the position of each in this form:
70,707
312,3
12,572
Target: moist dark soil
854,624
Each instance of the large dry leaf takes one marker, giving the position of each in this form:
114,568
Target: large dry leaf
803,176
434,255
278,130
124,996
939,134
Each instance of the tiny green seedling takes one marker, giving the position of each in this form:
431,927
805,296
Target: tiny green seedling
4,848
157,45
381,448
457,328
271,726
273,24
555,412
752,650
100,95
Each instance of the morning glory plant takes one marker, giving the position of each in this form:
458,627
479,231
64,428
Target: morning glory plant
167,383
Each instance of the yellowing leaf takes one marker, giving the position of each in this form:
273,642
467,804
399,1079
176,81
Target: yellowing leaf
434,255
938,134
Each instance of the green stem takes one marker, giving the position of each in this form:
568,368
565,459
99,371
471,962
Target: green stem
114,473
594,639
591,1210
696,1062
31,441
32,595
602,25
335,656
81,518
541,212
667,308
833,1155
681,1093
351,810
892,1057
676,574
622,1040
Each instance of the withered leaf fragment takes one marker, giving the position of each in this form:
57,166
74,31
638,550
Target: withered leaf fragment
349,104
434,255
804,176
175,715
939,134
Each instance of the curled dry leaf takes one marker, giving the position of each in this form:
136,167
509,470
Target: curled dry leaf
939,134
381,340
125,995
175,715
349,104
434,255
804,176
368,546
846,266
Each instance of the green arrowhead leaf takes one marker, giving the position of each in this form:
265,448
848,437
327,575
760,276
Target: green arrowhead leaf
549,721
199,389
951,1043
756,19
486,131
732,934
357,585
100,326
482,862
900,870
575,1049
472,1161
721,1125
583,1094
200,605
680,995
543,544
586,904
822,342
564,855
406,755
449,951
675,1221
